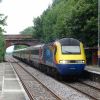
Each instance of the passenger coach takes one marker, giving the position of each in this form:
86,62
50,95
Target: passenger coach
66,55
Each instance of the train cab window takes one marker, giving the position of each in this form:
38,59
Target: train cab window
70,49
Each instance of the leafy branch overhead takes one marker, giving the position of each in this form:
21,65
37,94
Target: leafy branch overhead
68,18
2,22
2,41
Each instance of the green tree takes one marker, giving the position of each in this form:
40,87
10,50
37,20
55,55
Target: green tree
37,33
28,30
71,18
84,22
2,40
68,18
2,47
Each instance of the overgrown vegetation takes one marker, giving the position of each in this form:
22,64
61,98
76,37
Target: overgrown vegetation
68,18
2,41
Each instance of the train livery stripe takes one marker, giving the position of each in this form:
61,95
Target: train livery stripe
67,69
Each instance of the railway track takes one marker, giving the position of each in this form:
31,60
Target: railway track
51,95
87,88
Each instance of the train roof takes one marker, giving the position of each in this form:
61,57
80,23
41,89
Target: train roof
69,41
30,48
19,50
36,46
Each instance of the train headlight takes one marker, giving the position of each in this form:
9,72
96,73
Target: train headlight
63,62
71,62
81,61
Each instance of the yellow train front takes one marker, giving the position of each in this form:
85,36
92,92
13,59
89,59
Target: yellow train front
69,56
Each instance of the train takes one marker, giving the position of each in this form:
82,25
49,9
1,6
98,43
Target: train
65,56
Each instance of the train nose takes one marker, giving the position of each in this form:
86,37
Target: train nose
70,69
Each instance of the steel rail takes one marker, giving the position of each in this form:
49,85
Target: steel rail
52,93
94,87
83,92
28,93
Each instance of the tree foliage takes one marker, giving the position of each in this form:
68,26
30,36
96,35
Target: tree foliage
2,41
84,22
37,28
28,30
68,18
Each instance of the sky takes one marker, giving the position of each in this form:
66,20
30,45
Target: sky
21,14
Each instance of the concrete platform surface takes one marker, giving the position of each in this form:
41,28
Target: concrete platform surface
10,85
93,69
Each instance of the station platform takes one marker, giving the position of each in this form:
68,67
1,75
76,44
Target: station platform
93,69
10,85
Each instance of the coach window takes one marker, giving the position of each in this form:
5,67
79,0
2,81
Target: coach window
35,52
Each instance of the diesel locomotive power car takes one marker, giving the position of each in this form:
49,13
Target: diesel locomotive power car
65,55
